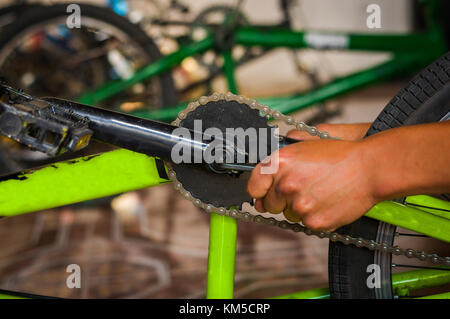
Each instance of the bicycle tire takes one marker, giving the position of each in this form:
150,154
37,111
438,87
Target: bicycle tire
43,14
425,99
12,12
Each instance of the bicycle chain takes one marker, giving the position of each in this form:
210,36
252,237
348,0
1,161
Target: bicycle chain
270,221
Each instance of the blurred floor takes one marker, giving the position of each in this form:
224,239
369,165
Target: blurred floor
154,244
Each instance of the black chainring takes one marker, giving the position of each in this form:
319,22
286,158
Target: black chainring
220,189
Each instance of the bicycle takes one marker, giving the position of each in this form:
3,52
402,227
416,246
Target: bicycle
123,170
408,55
128,94
433,28
42,21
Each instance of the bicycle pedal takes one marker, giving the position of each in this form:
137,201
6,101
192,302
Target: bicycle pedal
41,125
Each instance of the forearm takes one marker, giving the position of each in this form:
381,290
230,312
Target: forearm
409,160
346,132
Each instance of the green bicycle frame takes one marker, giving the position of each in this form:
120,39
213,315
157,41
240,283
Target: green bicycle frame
407,50
121,171
222,232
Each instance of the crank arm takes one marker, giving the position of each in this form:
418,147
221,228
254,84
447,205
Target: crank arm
142,135
30,120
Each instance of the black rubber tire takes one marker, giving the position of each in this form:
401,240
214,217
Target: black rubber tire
12,12
41,13
425,99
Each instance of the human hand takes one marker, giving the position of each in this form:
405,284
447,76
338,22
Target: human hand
324,184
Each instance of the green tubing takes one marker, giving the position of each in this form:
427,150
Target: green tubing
399,64
222,232
412,219
402,284
221,259
405,282
430,204
4,296
445,295
273,38
228,68
319,293
121,171
76,180
279,37
287,104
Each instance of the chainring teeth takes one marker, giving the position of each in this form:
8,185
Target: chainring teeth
264,111
203,100
192,106
292,221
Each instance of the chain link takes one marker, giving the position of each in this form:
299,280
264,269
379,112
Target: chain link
270,221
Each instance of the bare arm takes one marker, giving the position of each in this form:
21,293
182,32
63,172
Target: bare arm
410,160
328,183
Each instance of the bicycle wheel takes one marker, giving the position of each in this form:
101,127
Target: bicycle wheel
40,54
425,99
11,13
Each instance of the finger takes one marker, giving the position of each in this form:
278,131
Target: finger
299,208
259,206
273,202
259,184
